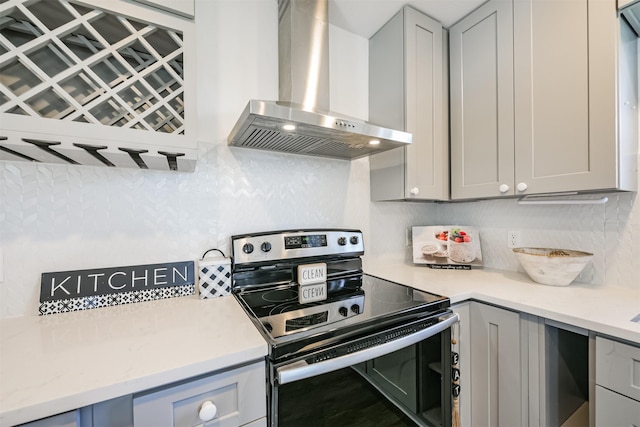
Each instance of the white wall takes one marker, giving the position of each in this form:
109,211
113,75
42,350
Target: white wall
57,218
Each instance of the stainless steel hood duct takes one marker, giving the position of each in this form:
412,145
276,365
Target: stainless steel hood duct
300,122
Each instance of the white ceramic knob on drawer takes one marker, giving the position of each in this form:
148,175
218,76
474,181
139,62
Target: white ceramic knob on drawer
414,191
208,411
521,186
504,188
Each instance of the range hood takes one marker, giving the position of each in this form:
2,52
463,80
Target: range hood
300,122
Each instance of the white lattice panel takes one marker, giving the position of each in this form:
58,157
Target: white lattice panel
116,80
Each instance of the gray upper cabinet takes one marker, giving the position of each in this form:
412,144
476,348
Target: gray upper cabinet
481,55
407,91
535,100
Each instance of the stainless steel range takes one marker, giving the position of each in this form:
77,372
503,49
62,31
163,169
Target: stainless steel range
335,333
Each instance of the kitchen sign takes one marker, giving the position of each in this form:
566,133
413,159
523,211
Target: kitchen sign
312,279
64,291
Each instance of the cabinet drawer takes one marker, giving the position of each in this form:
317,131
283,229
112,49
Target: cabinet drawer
614,410
618,367
238,394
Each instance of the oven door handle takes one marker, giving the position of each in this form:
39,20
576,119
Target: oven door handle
301,369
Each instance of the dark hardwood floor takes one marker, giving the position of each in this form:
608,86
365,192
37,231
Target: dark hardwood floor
338,399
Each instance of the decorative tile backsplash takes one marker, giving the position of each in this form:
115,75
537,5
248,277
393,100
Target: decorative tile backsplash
57,218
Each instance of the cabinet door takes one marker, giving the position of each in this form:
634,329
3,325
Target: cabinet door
495,366
565,91
113,412
427,158
482,135
615,410
67,419
407,81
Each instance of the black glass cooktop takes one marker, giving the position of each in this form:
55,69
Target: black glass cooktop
357,303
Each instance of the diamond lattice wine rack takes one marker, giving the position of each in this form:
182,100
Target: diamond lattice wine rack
96,82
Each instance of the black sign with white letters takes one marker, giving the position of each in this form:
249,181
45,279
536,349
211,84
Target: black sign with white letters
103,281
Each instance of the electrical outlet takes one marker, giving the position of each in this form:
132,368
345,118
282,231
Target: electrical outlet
513,239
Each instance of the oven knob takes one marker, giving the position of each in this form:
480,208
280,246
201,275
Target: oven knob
343,311
247,248
355,308
342,241
354,240
268,326
265,246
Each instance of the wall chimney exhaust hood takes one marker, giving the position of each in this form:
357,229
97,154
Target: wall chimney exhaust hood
300,122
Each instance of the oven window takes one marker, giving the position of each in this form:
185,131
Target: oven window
340,398
416,378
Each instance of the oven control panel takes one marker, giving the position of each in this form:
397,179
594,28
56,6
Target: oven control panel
290,244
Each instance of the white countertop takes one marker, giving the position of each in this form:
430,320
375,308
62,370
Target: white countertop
603,309
52,364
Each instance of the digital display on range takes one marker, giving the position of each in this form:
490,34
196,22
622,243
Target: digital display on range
308,241
306,321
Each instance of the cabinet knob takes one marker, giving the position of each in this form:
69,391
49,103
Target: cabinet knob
521,186
414,191
208,411
504,188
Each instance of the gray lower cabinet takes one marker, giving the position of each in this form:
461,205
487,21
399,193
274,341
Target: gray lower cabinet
228,399
617,383
522,370
615,410
495,366
519,369
492,379
116,412
560,366
232,398
544,98
408,91
67,419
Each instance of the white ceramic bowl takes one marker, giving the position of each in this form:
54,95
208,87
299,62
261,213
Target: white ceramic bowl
556,267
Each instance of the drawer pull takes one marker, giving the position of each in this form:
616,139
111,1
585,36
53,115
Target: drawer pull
208,411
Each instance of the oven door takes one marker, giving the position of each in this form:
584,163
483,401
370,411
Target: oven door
398,376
